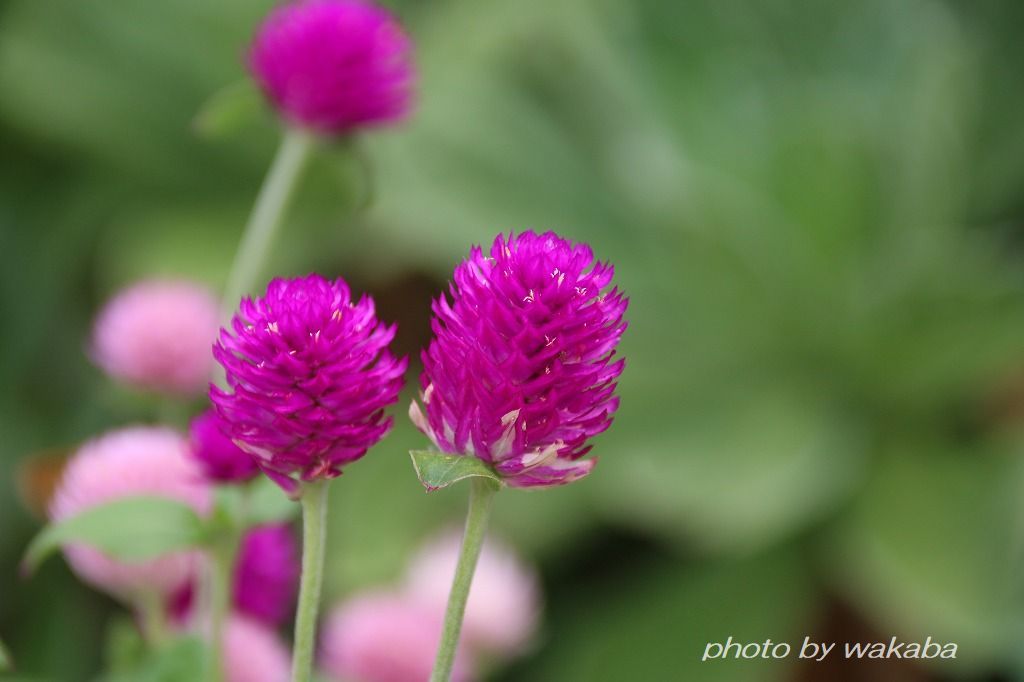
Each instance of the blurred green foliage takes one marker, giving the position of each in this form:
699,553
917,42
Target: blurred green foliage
816,209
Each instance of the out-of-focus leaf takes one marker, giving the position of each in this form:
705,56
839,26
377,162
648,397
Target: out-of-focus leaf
183,660
228,110
658,629
929,548
730,472
132,528
267,503
124,648
437,470
5,658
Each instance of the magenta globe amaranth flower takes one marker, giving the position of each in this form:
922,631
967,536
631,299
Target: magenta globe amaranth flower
218,456
127,463
156,335
267,574
334,65
521,372
309,374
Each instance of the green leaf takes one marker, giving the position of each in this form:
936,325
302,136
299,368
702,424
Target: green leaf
267,503
436,470
133,529
183,660
5,658
228,110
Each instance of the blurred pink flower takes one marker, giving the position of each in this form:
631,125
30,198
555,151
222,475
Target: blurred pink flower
334,65
384,637
254,653
125,463
503,610
158,334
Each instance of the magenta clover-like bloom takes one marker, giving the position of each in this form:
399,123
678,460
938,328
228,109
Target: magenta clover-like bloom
218,456
521,371
309,374
334,65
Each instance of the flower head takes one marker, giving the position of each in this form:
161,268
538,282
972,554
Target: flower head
521,371
382,637
156,335
309,374
218,456
504,601
334,65
267,574
126,463
253,652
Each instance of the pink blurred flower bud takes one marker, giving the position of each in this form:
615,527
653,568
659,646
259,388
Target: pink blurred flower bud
503,609
383,637
125,463
158,335
253,652
218,456
334,65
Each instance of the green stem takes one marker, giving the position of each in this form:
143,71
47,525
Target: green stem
154,618
314,534
223,560
266,216
481,499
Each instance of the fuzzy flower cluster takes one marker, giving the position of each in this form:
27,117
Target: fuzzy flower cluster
156,335
334,65
392,635
309,374
521,372
125,463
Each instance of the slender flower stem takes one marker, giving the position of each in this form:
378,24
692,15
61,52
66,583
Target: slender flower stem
314,534
153,613
266,216
222,569
481,499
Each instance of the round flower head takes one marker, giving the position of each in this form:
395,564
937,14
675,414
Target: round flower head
254,653
520,372
334,65
381,637
218,456
309,374
156,335
126,463
504,601
267,574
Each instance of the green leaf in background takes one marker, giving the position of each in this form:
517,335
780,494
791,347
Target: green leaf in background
132,528
657,630
124,648
267,503
929,547
183,660
229,110
5,658
436,470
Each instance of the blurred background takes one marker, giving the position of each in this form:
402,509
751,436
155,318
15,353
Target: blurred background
816,208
